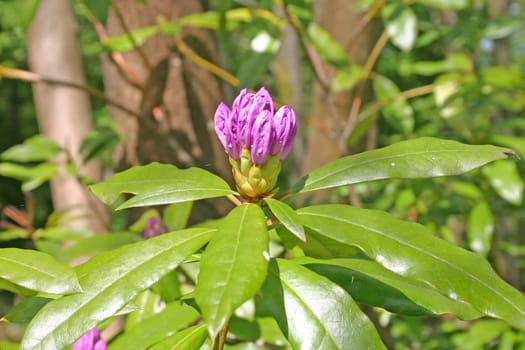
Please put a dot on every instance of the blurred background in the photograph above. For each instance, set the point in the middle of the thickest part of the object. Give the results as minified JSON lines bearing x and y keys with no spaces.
{"x":88,"y":88}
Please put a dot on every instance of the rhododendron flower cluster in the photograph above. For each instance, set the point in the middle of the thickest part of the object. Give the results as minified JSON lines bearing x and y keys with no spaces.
{"x":256,"y":140}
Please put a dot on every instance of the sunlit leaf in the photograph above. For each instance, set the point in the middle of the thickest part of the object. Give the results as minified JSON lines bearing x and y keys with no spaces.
{"x":401,"y":25}
{"x":37,"y":271}
{"x":156,"y":184}
{"x":123,"y":42}
{"x":233,"y":267}
{"x":190,"y":338}
{"x":34,"y":149}
{"x":110,"y":281}
{"x":410,"y":250}
{"x":327,"y":48}
{"x":506,"y":180}
{"x":480,"y":228}
{"x":286,"y":216}
{"x":418,"y":158}
{"x":315,"y":313}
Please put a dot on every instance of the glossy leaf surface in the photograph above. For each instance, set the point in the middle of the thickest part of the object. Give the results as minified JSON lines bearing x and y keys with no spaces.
{"x":506,"y":180}
{"x":410,"y":250}
{"x":480,"y":228}
{"x":110,"y":280}
{"x":419,"y":158}
{"x":287,"y":216}
{"x":372,"y":284}
{"x":156,"y":184}
{"x":37,"y":271}
{"x":188,"y":339}
{"x":234,"y":265}
{"x":156,"y":328}
{"x":315,"y":313}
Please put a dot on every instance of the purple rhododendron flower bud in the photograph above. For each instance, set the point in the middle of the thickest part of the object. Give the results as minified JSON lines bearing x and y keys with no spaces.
{"x":285,"y":129}
{"x":262,"y":137}
{"x":154,"y":227}
{"x":91,"y":340}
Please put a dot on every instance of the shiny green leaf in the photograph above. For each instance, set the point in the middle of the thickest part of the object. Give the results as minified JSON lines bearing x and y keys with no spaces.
{"x":516,"y":143}
{"x":315,"y":313}
{"x":156,"y":184}
{"x":110,"y":281}
{"x":419,"y":158}
{"x":99,"y":243}
{"x":287,"y":216}
{"x":176,"y":215}
{"x":506,"y":180}
{"x":372,"y":284}
{"x":156,"y":328}
{"x":480,"y":228}
{"x":190,"y":338}
{"x":34,"y":149}
{"x":37,"y":271}
{"x":233,"y":267}
{"x":410,"y":250}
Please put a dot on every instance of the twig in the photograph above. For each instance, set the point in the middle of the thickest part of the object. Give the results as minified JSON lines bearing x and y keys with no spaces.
{"x":234,"y":199}
{"x":365,"y":20}
{"x":207,"y":65}
{"x":32,"y":77}
{"x":131,"y":37}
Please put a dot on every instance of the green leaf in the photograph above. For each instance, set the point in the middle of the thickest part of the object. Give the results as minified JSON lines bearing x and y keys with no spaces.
{"x":99,"y":243}
{"x":156,"y":328}
{"x":110,"y":280}
{"x":37,"y":271}
{"x":32,"y":176}
{"x":516,"y":143}
{"x":26,"y":310}
{"x":327,"y":48}
{"x":99,"y":141}
{"x":287,"y":216}
{"x":446,"y":4}
{"x":480,"y":228}
{"x":34,"y":149}
{"x":176,"y":215}
{"x":419,"y":158}
{"x":397,"y":111}
{"x":188,"y":339}
{"x":372,"y":284}
{"x":410,"y":250}
{"x":505,"y":178}
{"x":401,"y":25}
{"x":233,"y":267}
{"x":315,"y":313}
{"x":99,"y":9}
{"x":122,"y":43}
{"x":156,"y":184}
{"x":26,"y":10}
{"x":346,"y":78}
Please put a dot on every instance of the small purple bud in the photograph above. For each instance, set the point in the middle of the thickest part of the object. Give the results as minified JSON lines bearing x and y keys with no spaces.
{"x":227,"y":130}
{"x":285,"y":129}
{"x":91,"y":340}
{"x":262,"y":137}
{"x":154,"y":227}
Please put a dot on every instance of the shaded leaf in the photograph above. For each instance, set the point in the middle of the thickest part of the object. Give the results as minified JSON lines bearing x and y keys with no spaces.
{"x":176,"y":215}
{"x":188,"y":339}
{"x":446,"y":4}
{"x":327,"y":48}
{"x":419,"y":158}
{"x":26,"y":310}
{"x":110,"y":280}
{"x":315,"y":313}
{"x":37,"y":271}
{"x":233,"y":267}
{"x":157,"y":183}
{"x":410,"y":250}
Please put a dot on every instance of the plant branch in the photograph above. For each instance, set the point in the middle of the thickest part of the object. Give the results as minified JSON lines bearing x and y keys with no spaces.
{"x":32,"y":77}
{"x":220,"y":339}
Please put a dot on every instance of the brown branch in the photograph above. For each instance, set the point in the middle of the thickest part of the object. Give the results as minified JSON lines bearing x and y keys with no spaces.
{"x":32,"y":77}
{"x":130,"y":36}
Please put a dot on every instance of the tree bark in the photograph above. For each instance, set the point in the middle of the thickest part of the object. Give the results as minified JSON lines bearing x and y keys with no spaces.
{"x":63,"y":113}
{"x":330,"y":111}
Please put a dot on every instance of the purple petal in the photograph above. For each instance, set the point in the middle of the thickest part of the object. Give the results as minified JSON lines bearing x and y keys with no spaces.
{"x":221,"y":115}
{"x":262,"y":137}
{"x":100,"y":345}
{"x":87,"y":341}
{"x":226,"y":129}
{"x":285,"y":131}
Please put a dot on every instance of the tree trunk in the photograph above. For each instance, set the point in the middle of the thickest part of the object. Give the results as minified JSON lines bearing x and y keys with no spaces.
{"x":330,"y":111}
{"x":63,"y":113}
